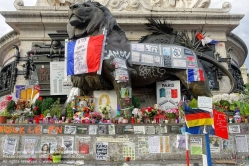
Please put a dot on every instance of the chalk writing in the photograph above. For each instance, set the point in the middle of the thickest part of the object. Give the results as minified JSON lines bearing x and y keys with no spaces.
{"x":151,"y":71}
{"x":119,"y":54}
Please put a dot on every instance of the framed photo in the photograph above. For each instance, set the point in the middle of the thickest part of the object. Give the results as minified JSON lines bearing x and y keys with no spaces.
{"x":10,"y":144}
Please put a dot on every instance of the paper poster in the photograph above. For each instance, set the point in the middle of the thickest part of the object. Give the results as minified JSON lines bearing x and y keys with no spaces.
{"x":126,"y":92}
{"x":196,"y":145}
{"x":119,"y":63}
{"x":135,"y":57}
{"x":137,"y":47}
{"x":57,"y":78}
{"x":121,"y":75}
{"x":176,"y":51}
{"x":67,"y":144}
{"x":111,"y":129}
{"x":53,"y":146}
{"x":179,"y":63}
{"x":29,"y":145}
{"x":70,"y":129}
{"x":168,"y":94}
{"x":227,"y":146}
{"x":191,"y":62}
{"x":151,"y":48}
{"x":102,"y":129}
{"x":143,"y":146}
{"x":9,"y":147}
{"x":129,"y":150}
{"x":150,"y":130}
{"x":214,"y":144}
{"x":84,"y":145}
{"x":234,"y":129}
{"x":101,"y":150}
{"x":181,"y":141}
{"x":166,"y":51}
{"x":205,"y":102}
{"x":139,"y":129}
{"x":93,"y":129}
{"x":45,"y":148}
{"x":164,"y":144}
{"x":241,"y":143}
{"x":154,"y":144}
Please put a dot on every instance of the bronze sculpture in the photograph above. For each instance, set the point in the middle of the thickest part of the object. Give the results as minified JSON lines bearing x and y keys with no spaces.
{"x":89,"y":19}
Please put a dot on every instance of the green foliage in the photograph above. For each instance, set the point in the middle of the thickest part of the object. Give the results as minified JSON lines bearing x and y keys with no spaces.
{"x":37,"y":107}
{"x":224,"y":103}
{"x":69,"y":111}
{"x":56,"y":109}
{"x":193,"y":103}
{"x":136,"y":102}
{"x":5,"y":113}
{"x":11,"y":106}
{"x":46,"y":104}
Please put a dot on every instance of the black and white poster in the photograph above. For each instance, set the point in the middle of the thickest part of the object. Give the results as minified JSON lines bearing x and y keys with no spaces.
{"x":67,"y":144}
{"x":101,"y":150}
{"x":70,"y":129}
{"x":9,"y":146}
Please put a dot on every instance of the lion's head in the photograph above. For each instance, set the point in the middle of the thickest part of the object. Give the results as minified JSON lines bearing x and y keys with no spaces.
{"x":89,"y":18}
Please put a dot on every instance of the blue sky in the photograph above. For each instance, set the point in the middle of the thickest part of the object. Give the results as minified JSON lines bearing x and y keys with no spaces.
{"x":238,"y":7}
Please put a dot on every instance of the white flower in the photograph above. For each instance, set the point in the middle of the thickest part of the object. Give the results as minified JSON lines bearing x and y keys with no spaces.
{"x":217,"y":98}
{"x":225,"y":97}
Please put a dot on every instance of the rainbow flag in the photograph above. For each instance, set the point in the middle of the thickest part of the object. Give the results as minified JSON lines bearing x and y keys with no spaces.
{"x":197,"y":117}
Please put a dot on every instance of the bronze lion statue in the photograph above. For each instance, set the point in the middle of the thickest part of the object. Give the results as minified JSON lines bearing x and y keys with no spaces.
{"x":89,"y":19}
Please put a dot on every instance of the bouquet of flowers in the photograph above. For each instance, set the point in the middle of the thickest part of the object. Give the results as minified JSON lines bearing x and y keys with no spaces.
{"x":105,"y":110}
{"x":172,"y":113}
{"x":151,"y":112}
{"x":21,"y":105}
{"x":95,"y":115}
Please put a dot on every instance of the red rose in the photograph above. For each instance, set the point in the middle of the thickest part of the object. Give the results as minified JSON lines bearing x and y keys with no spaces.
{"x":40,"y":98}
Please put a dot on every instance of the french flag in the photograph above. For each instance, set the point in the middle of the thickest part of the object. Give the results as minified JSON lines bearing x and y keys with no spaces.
{"x":205,"y":40}
{"x":84,"y":55}
{"x":195,"y":74}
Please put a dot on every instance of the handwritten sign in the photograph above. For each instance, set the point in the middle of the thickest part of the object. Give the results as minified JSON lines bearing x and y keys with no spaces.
{"x":101,"y":150}
{"x":58,"y":87}
{"x":220,"y":124}
{"x":196,"y":145}
{"x":204,"y":102}
{"x":241,"y":143}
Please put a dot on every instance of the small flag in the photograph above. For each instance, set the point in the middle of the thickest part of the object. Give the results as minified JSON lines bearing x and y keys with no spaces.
{"x":205,"y":40}
{"x":220,"y":124}
{"x":197,"y":117}
{"x":84,"y":55}
{"x":195,"y":74}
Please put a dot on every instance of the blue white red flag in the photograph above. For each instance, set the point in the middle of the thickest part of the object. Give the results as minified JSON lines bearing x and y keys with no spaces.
{"x":205,"y":40}
{"x":195,"y":74}
{"x":84,"y":55}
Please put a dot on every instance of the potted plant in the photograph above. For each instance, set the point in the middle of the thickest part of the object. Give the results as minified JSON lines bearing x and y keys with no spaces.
{"x":4,"y":116}
{"x":56,"y":156}
{"x":171,"y":114}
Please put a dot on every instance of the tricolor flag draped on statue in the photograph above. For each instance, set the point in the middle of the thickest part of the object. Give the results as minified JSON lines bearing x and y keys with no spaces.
{"x":84,"y":55}
{"x":195,"y":74}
